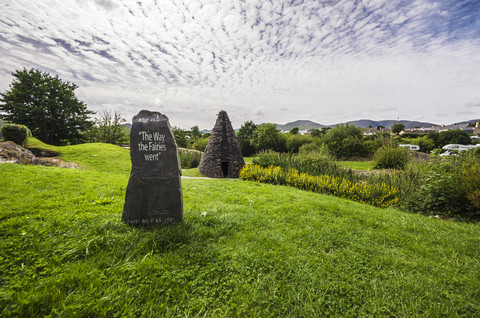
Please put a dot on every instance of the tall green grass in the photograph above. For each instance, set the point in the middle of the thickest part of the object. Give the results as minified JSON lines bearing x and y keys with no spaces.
{"x":244,"y":250}
{"x":313,"y":163}
{"x":189,"y":158}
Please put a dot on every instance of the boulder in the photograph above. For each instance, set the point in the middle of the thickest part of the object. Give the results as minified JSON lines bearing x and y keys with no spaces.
{"x":11,"y":152}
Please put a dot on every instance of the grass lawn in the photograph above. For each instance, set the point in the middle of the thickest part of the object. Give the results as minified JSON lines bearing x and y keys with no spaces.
{"x":357,"y":165}
{"x":244,"y":249}
{"x":193,"y":172}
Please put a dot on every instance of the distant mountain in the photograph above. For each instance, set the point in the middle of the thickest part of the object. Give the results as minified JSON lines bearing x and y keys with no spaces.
{"x":473,"y":121}
{"x":366,"y":123}
{"x":363,"y":123}
{"x":301,"y":124}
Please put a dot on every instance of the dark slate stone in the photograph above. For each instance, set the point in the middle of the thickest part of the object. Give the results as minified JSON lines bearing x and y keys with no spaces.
{"x":154,"y":191}
{"x":222,"y":157}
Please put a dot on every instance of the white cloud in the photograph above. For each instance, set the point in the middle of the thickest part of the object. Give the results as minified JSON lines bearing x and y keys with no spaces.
{"x":250,"y":58}
{"x":473,"y":103}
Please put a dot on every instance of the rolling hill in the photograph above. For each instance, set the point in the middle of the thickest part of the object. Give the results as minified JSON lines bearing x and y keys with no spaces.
{"x":301,"y":124}
{"x":363,"y":123}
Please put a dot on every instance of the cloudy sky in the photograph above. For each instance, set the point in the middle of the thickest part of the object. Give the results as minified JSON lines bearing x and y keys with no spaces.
{"x":267,"y":61}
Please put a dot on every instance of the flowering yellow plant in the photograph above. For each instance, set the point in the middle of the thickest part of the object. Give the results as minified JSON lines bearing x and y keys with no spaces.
{"x":380,"y":195}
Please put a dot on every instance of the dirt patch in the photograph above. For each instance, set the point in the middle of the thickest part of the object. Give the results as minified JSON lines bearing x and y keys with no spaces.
{"x":43,"y":153}
{"x":55,"y":161}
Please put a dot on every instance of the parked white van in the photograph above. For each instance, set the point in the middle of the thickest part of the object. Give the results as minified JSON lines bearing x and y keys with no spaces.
{"x":459,"y":147}
{"x":411,"y":147}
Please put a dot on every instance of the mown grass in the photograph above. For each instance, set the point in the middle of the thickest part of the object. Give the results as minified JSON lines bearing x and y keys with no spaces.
{"x":192,"y":172}
{"x":244,"y":250}
{"x":357,"y":165}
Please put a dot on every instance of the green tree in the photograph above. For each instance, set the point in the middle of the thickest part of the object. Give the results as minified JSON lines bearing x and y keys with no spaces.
{"x":457,"y":136}
{"x":180,"y":137}
{"x":267,"y":136}
{"x":314,"y":132}
{"x":345,"y":141}
{"x":109,"y":128}
{"x":245,"y":137}
{"x":47,"y":105}
{"x":294,"y":142}
{"x":398,"y":128}
{"x":195,"y":134}
{"x":294,"y":131}
{"x":201,"y":144}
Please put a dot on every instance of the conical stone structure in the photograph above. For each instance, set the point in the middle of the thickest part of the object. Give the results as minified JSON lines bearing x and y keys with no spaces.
{"x":222,"y":157}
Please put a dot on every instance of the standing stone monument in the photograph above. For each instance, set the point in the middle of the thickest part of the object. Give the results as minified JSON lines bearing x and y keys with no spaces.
{"x":222,"y":157}
{"x":154,"y":191}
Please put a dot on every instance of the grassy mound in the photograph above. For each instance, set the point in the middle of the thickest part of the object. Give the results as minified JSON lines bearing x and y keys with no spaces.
{"x":244,"y":249}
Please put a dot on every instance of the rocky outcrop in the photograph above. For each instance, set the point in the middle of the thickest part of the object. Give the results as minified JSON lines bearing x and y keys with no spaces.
{"x":11,"y":152}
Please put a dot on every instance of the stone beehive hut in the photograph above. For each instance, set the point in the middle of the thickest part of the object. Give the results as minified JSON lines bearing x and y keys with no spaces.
{"x":222,"y":157}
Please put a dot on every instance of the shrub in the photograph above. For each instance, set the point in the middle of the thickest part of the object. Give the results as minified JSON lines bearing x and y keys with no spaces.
{"x":272,"y":158}
{"x":470,"y":182}
{"x":443,"y":186}
{"x":295,"y":141}
{"x":16,"y":133}
{"x":390,"y":157}
{"x":200,"y":144}
{"x":440,"y":190}
{"x":345,"y":141}
{"x":371,"y":146}
{"x":380,"y":195}
{"x":426,"y":144}
{"x":189,"y":158}
{"x":266,"y":136}
{"x":317,"y":147}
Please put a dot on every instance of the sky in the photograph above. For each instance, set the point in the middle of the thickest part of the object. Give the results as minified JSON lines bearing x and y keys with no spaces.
{"x":266,"y":61}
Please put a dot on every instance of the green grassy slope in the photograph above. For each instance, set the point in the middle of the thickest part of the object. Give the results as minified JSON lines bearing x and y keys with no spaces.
{"x":92,"y":156}
{"x":244,"y":249}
